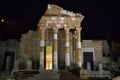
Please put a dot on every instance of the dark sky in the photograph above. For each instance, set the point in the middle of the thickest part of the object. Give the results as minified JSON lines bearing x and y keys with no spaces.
{"x":101,"y":17}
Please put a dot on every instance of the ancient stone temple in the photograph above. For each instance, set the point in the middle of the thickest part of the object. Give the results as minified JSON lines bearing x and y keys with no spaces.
{"x":57,"y":42}
{"x":55,"y":45}
{"x":55,"y":50}
{"x":57,"y":20}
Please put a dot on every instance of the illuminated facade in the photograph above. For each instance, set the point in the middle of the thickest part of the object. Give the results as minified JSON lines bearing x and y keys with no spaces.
{"x":55,"y":45}
{"x":60,"y":30}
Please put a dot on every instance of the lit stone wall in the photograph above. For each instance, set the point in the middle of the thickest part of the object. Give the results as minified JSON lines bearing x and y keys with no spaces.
{"x":97,"y":46}
{"x":106,"y":52}
{"x":61,"y":48}
{"x":106,"y":48}
{"x":30,"y":44}
{"x":8,"y":45}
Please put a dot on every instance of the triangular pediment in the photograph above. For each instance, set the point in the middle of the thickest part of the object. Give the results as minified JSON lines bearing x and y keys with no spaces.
{"x":54,"y":10}
{"x":59,"y":17}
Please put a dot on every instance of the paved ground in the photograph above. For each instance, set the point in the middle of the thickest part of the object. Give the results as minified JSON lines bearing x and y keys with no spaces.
{"x":4,"y":75}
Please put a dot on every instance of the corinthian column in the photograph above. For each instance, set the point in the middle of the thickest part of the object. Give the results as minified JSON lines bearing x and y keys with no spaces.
{"x":55,"y":49}
{"x":79,"y":54}
{"x":75,"y":48}
{"x":67,"y":47}
{"x":42,"y":44}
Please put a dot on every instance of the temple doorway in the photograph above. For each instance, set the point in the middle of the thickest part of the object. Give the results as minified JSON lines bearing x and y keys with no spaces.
{"x":88,"y":57}
{"x":8,"y":62}
{"x":48,"y":58}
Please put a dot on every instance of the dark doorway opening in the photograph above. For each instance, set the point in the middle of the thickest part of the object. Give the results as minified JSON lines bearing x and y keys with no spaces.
{"x":88,"y":57}
{"x":11,"y":55}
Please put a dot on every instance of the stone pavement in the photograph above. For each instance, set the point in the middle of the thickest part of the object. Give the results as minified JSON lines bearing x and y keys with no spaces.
{"x":4,"y":75}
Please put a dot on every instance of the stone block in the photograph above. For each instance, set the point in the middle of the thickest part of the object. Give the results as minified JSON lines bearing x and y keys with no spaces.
{"x":100,"y":67}
{"x":29,"y":65}
{"x":83,"y":74}
{"x":88,"y":66}
{"x":16,"y":65}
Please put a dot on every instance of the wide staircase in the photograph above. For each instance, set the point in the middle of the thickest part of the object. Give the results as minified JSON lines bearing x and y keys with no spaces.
{"x":51,"y":75}
{"x":46,"y":75}
{"x":67,"y":75}
{"x":5,"y":75}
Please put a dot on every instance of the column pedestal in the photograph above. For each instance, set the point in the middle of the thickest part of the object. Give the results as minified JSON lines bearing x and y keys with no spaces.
{"x":29,"y":65}
{"x":16,"y":65}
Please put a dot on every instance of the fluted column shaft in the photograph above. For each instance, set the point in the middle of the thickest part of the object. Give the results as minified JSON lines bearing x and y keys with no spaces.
{"x":55,"y":49}
{"x":79,"y":52}
{"x":75,"y":48}
{"x":42,"y":45}
{"x":67,"y":47}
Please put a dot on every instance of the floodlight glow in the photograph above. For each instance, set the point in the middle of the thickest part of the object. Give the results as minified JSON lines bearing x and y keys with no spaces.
{"x":2,"y":20}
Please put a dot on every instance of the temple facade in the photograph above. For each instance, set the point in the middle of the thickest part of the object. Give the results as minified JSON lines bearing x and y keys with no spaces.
{"x":56,"y":44}
{"x":27,"y":50}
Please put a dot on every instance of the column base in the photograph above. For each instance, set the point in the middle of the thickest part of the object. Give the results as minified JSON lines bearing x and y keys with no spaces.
{"x":67,"y":67}
{"x":28,"y":69}
{"x":41,"y":70}
{"x":55,"y":67}
{"x":55,"y":70}
{"x":76,"y":65}
{"x":15,"y":70}
{"x":46,"y":75}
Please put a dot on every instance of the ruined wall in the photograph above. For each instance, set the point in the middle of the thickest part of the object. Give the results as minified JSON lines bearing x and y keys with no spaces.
{"x":30,"y":44}
{"x":8,"y":46}
{"x":96,"y":45}
{"x":106,"y":52}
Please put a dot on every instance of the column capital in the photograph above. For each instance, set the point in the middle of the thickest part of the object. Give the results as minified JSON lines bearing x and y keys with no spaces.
{"x":42,"y":28}
{"x":78,"y":29}
{"x":66,"y":29}
{"x":78,"y":33}
{"x":55,"y":29}
{"x":74,"y":34}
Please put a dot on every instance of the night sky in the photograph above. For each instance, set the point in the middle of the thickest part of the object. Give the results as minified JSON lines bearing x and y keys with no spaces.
{"x":101,"y":17}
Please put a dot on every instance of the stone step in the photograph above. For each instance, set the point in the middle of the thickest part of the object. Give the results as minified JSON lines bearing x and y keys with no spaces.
{"x":66,"y":75}
{"x":5,"y":75}
{"x":46,"y":75}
